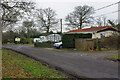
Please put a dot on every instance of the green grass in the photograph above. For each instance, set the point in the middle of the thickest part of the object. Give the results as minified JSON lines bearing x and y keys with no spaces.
{"x":18,"y":44}
{"x":115,"y":57}
{"x":108,"y":49}
{"x":11,"y":43}
{"x":19,"y":66}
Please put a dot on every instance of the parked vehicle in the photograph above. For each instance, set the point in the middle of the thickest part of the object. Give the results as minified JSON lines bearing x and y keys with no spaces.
{"x":58,"y":45}
{"x":37,"y":40}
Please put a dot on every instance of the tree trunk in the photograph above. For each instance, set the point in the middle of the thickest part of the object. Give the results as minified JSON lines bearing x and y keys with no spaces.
{"x":0,"y":33}
{"x":48,"y":29}
{"x":80,"y":25}
{"x":28,"y":33}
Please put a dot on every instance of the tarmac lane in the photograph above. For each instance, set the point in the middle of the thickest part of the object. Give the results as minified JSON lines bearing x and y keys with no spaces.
{"x":80,"y":66}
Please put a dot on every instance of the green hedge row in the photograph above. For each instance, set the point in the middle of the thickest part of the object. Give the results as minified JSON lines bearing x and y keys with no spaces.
{"x":69,"y":39}
{"x":44,"y":44}
{"x":26,"y":41}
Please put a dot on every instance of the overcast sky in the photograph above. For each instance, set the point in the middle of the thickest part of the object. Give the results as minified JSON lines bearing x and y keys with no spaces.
{"x":64,"y":7}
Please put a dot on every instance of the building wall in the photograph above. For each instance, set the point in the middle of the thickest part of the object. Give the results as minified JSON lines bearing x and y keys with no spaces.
{"x":105,"y":33}
{"x":54,"y":37}
{"x":51,"y":37}
{"x":43,"y":38}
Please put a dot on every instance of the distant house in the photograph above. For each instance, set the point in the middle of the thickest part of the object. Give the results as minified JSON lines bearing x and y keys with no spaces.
{"x":54,"y":37}
{"x":17,"y":39}
{"x":51,"y":37}
{"x":43,"y":38}
{"x":37,"y":40}
{"x":98,"y":32}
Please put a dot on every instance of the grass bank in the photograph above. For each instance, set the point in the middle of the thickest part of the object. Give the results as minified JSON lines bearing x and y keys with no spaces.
{"x":114,"y":57}
{"x":19,"y":66}
{"x":18,"y":44}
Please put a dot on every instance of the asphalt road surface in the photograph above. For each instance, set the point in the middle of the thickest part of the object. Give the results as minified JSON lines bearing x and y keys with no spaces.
{"x":80,"y":64}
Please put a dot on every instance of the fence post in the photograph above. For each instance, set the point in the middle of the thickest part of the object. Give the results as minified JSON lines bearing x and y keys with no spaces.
{"x":98,"y":44}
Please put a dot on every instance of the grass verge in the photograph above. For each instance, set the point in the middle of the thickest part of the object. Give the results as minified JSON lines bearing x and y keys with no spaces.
{"x":114,"y":57}
{"x":19,"y":66}
{"x":18,"y":44}
{"x":108,"y":49}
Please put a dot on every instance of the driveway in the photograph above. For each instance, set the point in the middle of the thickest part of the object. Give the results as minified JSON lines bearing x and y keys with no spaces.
{"x":80,"y":64}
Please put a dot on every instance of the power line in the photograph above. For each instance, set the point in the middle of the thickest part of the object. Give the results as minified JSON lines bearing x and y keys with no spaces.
{"x":107,"y":6}
{"x":108,"y":13}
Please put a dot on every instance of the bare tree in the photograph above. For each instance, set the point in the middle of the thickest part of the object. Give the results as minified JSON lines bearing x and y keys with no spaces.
{"x":28,"y":25}
{"x":81,"y":15}
{"x":101,"y":21}
{"x":13,"y":11}
{"x":46,"y":18}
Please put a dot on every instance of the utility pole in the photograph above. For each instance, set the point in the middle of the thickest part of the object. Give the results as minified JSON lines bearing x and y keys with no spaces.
{"x":119,"y":13}
{"x":118,"y":26}
{"x":61,"y":25}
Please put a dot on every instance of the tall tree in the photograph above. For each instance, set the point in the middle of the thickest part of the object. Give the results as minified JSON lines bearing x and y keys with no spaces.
{"x":13,"y":11}
{"x":113,"y":24}
{"x":28,"y":25}
{"x":101,"y":21}
{"x":81,"y":15}
{"x":46,"y":18}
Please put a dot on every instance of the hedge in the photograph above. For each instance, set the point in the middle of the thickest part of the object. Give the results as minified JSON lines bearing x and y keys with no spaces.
{"x":26,"y":41}
{"x":69,"y":39}
{"x":44,"y":44}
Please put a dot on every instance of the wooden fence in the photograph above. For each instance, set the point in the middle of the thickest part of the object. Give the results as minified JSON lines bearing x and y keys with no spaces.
{"x":85,"y":44}
{"x":97,"y":44}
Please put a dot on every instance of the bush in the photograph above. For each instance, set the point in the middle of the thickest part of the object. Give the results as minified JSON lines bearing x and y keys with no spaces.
{"x":69,"y":39}
{"x":9,"y":36}
{"x":4,"y":41}
{"x":26,"y":41}
{"x":17,"y":42}
{"x":44,"y":44}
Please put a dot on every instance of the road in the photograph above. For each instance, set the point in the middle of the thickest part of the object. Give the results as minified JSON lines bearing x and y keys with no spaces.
{"x":80,"y":64}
